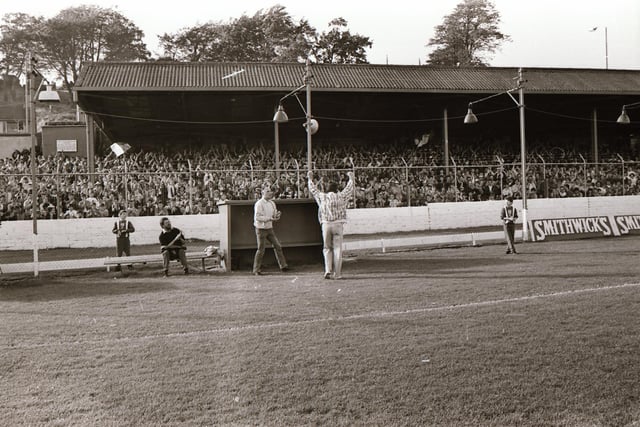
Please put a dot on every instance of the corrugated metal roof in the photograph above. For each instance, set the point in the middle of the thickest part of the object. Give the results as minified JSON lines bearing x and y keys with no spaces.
{"x":180,"y":76}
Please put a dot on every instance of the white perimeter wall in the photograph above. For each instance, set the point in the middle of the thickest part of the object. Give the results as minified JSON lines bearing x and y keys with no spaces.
{"x":96,"y":232}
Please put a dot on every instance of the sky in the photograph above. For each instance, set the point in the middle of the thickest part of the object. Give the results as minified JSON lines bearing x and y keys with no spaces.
{"x":544,"y":33}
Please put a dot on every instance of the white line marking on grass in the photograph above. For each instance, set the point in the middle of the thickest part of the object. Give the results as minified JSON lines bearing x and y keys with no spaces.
{"x":369,"y":315}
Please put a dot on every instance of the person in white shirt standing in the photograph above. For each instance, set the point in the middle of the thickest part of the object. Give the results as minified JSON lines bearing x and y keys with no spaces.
{"x":333,"y":216}
{"x":264,"y":214}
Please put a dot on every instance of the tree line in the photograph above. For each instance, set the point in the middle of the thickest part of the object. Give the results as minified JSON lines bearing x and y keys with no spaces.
{"x":88,"y":33}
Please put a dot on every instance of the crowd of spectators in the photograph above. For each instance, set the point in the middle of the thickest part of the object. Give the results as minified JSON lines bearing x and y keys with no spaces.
{"x":194,"y":180}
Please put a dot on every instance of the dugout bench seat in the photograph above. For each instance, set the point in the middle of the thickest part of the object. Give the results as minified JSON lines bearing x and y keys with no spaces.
{"x":209,"y":262}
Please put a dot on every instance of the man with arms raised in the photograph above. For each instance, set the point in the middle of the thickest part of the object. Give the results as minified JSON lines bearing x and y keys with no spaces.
{"x":333,"y":216}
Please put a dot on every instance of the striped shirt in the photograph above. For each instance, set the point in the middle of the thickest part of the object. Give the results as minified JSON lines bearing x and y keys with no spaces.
{"x":333,"y":206}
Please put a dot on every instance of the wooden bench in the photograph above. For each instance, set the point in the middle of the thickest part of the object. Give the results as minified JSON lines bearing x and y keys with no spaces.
{"x":216,"y":260}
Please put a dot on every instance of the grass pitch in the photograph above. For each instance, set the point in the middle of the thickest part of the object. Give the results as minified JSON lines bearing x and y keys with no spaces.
{"x":446,"y":337}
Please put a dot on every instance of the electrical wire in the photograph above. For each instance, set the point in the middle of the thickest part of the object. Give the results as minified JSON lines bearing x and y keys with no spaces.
{"x":342,"y":119}
{"x":566,"y":116}
{"x":437,"y":119}
{"x":330,"y":118}
{"x":507,"y":92}
{"x":188,"y":122}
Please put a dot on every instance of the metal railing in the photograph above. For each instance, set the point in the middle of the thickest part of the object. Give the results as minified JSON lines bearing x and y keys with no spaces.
{"x":194,"y":190}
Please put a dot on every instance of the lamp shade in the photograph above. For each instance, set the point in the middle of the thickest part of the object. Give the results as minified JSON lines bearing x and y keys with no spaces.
{"x":280,"y":116}
{"x":470,"y":118}
{"x":49,"y":95}
{"x":623,"y":118}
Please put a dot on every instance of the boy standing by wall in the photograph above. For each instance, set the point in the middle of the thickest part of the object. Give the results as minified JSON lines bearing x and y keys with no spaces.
{"x":509,"y":214}
{"x":122,"y":229}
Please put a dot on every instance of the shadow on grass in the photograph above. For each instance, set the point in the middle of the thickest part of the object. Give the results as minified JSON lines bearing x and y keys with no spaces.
{"x":428,"y":265}
{"x":574,"y":252}
{"x":500,"y":266}
{"x":81,"y":286}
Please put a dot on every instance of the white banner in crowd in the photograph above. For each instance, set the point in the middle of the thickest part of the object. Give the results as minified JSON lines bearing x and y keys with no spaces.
{"x":119,"y":148}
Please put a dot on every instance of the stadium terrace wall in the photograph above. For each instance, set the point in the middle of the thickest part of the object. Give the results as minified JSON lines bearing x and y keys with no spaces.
{"x":96,"y":232}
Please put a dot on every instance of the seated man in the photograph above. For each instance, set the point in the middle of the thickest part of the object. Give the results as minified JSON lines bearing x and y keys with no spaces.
{"x":172,"y":243}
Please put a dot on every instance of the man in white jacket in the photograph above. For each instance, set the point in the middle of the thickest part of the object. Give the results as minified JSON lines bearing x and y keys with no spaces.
{"x":264,"y":214}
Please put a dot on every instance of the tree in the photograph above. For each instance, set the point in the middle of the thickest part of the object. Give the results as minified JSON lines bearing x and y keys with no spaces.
{"x":73,"y":36}
{"x":270,"y":35}
{"x":89,"y":33}
{"x":339,"y":46}
{"x":192,"y":44}
{"x":19,"y":36}
{"x":467,"y":35}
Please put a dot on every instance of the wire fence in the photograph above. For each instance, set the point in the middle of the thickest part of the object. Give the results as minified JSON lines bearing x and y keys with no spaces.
{"x":71,"y":195}
{"x":63,"y":195}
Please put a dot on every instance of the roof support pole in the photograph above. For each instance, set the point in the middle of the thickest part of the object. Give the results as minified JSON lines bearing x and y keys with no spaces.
{"x":307,"y":82}
{"x":594,"y":137}
{"x":33,"y":129}
{"x":276,"y":133}
{"x":91,"y":146}
{"x":445,"y":127}
{"x":523,"y":156}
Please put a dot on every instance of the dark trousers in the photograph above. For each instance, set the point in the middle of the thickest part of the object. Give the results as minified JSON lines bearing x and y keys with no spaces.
{"x":171,"y":254}
{"x":123,"y":246}
{"x":262,"y":236}
{"x":509,"y":235}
